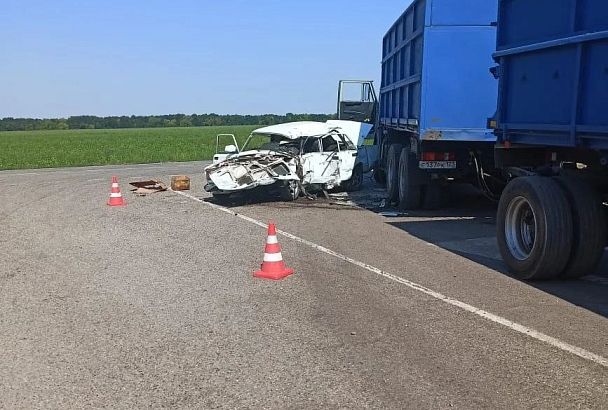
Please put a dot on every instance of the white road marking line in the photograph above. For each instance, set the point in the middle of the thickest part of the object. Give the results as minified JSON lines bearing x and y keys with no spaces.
{"x":554,"y":342}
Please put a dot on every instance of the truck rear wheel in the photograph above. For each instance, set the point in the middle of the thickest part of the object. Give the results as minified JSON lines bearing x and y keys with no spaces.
{"x":410,"y":191}
{"x":392,"y":172}
{"x":534,"y":228}
{"x":589,"y":223}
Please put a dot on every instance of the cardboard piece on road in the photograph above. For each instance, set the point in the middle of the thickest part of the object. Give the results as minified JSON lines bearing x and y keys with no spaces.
{"x":180,"y":183}
{"x":143,"y":188}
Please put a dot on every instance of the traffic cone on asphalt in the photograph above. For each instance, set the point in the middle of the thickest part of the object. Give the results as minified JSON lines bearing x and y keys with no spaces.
{"x":273,"y":267}
{"x":116,"y":198}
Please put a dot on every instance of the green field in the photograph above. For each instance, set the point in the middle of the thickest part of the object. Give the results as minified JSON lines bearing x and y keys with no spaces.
{"x":49,"y":149}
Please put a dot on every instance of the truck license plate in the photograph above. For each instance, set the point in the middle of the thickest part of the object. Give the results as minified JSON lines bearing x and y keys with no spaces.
{"x":437,"y":164}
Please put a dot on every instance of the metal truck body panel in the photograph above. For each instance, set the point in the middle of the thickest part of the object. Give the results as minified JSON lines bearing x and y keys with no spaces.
{"x":435,"y":78}
{"x":553,"y":75}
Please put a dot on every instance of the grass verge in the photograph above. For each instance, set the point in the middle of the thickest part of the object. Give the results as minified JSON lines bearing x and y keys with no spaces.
{"x":70,"y":148}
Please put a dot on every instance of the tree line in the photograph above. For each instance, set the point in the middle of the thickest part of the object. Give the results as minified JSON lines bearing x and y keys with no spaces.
{"x":152,"y":121}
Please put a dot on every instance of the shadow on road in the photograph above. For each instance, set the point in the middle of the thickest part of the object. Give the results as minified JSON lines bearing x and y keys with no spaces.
{"x":468,"y":229}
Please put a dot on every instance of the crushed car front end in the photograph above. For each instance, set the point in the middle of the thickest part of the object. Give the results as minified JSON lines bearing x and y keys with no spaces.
{"x":250,"y":170}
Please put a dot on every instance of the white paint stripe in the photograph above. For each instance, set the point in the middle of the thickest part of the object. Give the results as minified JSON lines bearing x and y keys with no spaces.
{"x":115,"y":185}
{"x":273,"y":257}
{"x":115,"y":195}
{"x":566,"y":347}
{"x":272,"y":239}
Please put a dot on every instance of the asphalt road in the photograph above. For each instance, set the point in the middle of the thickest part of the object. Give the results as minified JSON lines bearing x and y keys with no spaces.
{"x":154,"y":304}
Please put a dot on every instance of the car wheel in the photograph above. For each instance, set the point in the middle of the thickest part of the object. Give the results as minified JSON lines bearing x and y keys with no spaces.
{"x":291,"y":191}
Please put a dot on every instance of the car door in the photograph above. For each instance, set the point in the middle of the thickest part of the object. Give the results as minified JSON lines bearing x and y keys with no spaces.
{"x":231,"y":148}
{"x":321,"y":164}
{"x":347,"y":157}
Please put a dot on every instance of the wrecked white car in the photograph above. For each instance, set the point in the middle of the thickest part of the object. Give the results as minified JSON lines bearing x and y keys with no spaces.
{"x":291,"y":159}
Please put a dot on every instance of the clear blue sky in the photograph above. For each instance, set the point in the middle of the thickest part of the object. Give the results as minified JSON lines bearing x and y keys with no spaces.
{"x":123,"y":57}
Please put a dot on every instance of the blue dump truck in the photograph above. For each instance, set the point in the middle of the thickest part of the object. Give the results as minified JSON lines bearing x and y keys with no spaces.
{"x":513,"y":96}
{"x":435,"y":99}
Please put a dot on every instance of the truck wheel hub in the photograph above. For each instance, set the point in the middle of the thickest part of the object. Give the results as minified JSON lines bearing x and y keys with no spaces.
{"x":520,"y":228}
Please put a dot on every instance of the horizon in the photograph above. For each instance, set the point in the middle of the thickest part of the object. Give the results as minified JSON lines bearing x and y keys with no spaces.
{"x":168,"y":115}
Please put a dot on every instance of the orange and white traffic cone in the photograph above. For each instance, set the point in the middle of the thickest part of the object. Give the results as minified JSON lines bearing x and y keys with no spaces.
{"x":273,"y":267}
{"x":116,"y":198}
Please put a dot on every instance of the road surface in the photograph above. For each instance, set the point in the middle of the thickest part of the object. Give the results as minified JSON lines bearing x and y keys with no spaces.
{"x":154,"y":304}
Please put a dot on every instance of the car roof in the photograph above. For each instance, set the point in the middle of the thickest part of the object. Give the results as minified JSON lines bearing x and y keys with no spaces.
{"x":355,"y":131}
{"x":295,"y":130}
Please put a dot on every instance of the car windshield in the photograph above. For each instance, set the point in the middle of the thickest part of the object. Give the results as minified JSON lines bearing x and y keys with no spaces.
{"x":256,"y":141}
{"x":262,"y":142}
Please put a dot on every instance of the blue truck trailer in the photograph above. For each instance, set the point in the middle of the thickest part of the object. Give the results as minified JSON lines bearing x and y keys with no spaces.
{"x":552,"y":135}
{"x":435,"y":98}
{"x":533,"y":135}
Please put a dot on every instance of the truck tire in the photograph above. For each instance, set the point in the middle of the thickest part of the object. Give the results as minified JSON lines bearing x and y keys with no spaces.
{"x":392,"y":172}
{"x":534,"y":228}
{"x":589,"y":227}
{"x":356,"y":180}
{"x":410,"y":191}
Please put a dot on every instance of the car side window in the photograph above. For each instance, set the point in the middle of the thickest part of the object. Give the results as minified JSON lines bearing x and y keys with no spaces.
{"x":345,"y":143}
{"x":329,"y":144}
{"x":311,"y":145}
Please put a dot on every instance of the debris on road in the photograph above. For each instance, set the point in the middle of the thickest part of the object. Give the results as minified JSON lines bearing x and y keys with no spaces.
{"x":143,"y":188}
{"x":341,"y":198}
{"x":180,"y":183}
